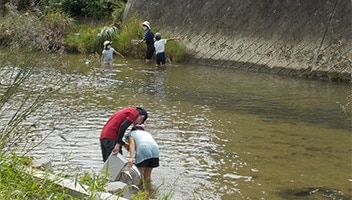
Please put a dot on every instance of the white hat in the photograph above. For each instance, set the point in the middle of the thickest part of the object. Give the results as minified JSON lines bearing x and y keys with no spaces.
{"x":146,"y":23}
{"x":107,"y":42}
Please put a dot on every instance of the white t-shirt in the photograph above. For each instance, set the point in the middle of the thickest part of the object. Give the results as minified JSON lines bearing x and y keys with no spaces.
{"x":160,"y":45}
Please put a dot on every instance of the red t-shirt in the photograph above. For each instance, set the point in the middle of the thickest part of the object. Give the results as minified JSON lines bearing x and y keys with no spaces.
{"x":112,"y":126}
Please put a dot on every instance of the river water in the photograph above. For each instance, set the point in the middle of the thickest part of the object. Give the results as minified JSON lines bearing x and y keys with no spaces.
{"x":223,"y":133}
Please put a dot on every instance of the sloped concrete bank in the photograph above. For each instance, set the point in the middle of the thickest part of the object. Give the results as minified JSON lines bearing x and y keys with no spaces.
{"x":297,"y":37}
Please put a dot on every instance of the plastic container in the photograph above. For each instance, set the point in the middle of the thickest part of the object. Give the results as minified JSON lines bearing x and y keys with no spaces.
{"x":116,"y":169}
{"x":113,"y":166}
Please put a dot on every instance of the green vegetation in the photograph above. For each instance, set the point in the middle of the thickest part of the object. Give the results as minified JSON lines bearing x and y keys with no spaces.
{"x":131,"y":29}
{"x":82,"y":39}
{"x":15,"y":183}
{"x":75,"y":27}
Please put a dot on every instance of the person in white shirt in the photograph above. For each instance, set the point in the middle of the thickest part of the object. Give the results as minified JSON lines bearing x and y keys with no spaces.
{"x":159,"y":45}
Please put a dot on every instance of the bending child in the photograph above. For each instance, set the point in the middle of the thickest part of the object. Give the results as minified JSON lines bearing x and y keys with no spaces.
{"x":144,"y":152}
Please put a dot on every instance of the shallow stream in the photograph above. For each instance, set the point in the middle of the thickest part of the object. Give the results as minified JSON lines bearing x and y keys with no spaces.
{"x":223,"y":134}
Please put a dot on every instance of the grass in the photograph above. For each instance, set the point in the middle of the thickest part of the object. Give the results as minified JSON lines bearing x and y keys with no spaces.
{"x":15,"y":183}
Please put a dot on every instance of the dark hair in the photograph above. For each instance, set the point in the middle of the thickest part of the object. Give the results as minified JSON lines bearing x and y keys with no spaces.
{"x":106,"y":46}
{"x":143,"y":112}
{"x":157,"y":36}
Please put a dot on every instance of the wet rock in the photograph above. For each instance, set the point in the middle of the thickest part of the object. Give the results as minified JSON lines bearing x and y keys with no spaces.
{"x":119,"y":187}
{"x":115,"y":187}
{"x":42,"y":163}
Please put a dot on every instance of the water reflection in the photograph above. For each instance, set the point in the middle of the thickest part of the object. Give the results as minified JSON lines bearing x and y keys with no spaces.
{"x":155,"y":82}
{"x":223,"y":134}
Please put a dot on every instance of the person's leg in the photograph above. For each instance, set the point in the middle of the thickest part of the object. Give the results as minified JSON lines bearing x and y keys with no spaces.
{"x":158,"y":60}
{"x":145,"y":168}
{"x":107,"y":145}
{"x":141,"y":170}
{"x":103,"y":150}
{"x":163,"y":58}
{"x":148,"y":175}
{"x":149,"y":54}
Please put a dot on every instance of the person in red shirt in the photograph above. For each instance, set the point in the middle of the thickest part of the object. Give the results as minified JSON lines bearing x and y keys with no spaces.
{"x":115,"y":128}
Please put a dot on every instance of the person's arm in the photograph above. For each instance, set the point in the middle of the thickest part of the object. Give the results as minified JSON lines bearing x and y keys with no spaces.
{"x":118,"y":53}
{"x":132,"y":147}
{"x":121,"y":132}
{"x":174,"y":38}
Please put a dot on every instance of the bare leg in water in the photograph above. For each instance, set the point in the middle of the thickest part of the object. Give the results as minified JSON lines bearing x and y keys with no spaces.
{"x":147,"y":176}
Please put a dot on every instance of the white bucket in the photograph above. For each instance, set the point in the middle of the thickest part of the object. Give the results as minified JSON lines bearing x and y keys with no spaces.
{"x":116,"y":169}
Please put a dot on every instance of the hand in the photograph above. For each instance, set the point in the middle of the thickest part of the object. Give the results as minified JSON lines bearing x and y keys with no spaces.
{"x":130,"y":162}
{"x":116,"y":149}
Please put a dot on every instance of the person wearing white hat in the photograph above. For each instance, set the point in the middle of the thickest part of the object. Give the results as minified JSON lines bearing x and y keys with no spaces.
{"x":148,"y":38}
{"x":107,"y":54}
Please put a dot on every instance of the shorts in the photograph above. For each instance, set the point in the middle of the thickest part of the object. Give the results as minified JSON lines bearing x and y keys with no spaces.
{"x":149,"y":52}
{"x":160,"y":58}
{"x":150,"y":163}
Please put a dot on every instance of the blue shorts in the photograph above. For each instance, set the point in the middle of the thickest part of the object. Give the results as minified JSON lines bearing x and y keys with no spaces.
{"x":160,"y":58}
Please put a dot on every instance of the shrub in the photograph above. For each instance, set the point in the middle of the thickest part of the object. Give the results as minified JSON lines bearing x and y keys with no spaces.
{"x":82,"y":39}
{"x":131,"y":29}
{"x":176,"y":51}
{"x":96,"y":9}
{"x":34,"y":31}
{"x":106,"y":33}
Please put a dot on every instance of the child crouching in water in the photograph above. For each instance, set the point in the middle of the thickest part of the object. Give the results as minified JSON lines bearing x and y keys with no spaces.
{"x":159,"y":45}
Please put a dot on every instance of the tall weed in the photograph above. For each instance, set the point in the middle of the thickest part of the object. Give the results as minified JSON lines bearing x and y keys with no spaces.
{"x":82,"y":39}
{"x":34,"y":31}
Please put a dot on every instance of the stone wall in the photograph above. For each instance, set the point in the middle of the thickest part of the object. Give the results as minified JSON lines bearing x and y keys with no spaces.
{"x":296,"y":37}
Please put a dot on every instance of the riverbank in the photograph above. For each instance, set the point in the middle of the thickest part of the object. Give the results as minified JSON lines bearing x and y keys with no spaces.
{"x":305,"y":39}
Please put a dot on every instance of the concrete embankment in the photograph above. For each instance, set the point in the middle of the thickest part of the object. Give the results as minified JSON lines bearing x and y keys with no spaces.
{"x":300,"y":38}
